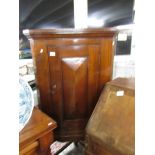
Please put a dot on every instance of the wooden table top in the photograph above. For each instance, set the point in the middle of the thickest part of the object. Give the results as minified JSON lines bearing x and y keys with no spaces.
{"x":38,"y":125}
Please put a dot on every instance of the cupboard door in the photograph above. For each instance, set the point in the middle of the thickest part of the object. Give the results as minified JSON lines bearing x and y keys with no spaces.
{"x":74,"y":77}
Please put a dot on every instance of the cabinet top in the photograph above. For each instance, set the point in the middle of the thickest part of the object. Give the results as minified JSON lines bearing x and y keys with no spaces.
{"x":128,"y":83}
{"x":54,"y":33}
{"x":37,"y":125}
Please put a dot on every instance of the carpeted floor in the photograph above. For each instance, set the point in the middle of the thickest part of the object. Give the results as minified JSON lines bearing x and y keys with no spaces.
{"x":71,"y":149}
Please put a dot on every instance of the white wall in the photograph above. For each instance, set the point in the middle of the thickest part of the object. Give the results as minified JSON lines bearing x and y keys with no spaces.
{"x":124,"y":66}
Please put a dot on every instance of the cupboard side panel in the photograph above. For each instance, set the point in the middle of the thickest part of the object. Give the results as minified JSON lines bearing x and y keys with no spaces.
{"x":55,"y":84}
{"x":41,"y":67}
{"x":106,"y":61}
{"x":93,"y":76}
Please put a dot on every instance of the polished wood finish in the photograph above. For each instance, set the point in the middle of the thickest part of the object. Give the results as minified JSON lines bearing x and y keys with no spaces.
{"x":36,"y":137}
{"x":111,"y":128}
{"x":72,"y":67}
{"x":70,"y":33}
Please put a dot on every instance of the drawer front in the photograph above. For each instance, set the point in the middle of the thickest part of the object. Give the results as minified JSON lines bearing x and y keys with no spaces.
{"x":30,"y":149}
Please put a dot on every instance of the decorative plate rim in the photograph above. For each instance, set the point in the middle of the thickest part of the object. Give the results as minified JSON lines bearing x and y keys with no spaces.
{"x":22,"y":80}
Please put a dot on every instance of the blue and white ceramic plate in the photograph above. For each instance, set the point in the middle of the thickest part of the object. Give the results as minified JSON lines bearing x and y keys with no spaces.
{"x":26,"y":103}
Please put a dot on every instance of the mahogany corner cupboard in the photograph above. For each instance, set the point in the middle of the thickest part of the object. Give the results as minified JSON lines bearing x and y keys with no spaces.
{"x":71,"y":67}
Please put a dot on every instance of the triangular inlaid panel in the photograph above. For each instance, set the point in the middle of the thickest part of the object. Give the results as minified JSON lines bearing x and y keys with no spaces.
{"x":74,"y":80}
{"x":74,"y":63}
